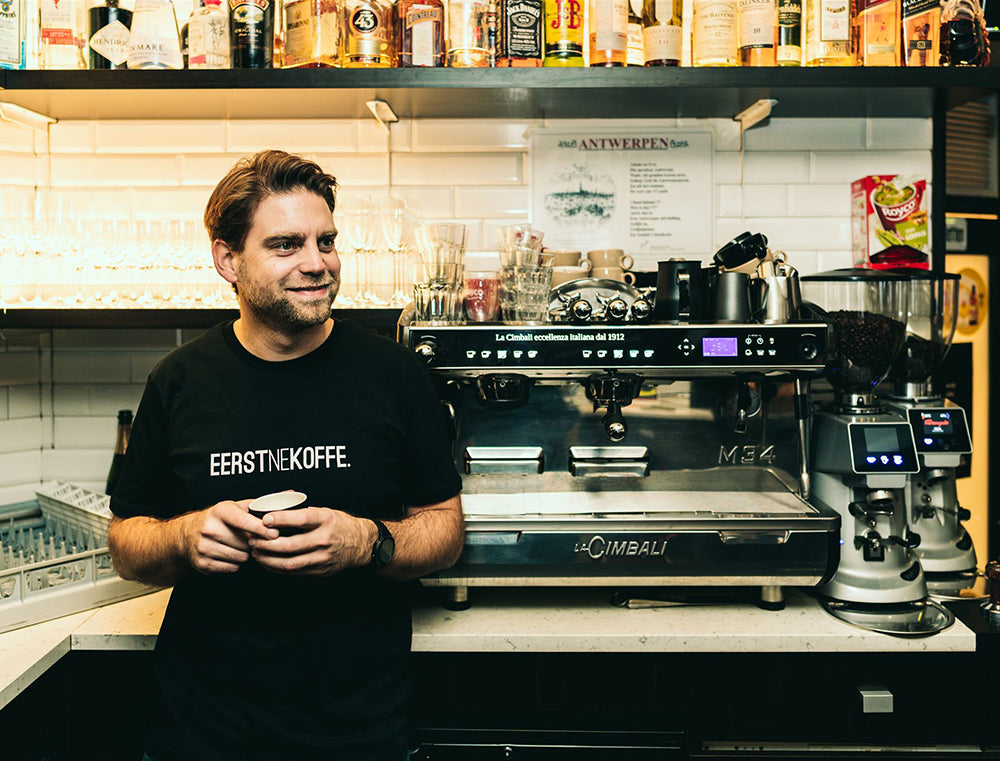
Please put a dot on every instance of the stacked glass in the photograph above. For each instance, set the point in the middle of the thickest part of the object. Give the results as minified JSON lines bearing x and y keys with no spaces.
{"x":437,"y":294}
{"x":525,"y":275}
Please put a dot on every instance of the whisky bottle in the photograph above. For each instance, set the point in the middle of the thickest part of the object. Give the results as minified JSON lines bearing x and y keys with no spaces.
{"x":879,"y":28}
{"x":921,"y":33}
{"x":108,"y":31}
{"x":251,"y":33}
{"x":61,"y":34}
{"x":208,"y":37}
{"x":519,"y":33}
{"x":563,"y":33}
{"x":635,"y":55}
{"x":829,"y":25}
{"x":608,"y":32}
{"x":789,"y":33}
{"x":468,"y":34}
{"x":713,"y":33}
{"x":312,"y":34}
{"x":662,"y":32}
{"x":758,"y":21}
{"x":419,"y":32}
{"x":121,"y":444}
{"x":154,"y":42}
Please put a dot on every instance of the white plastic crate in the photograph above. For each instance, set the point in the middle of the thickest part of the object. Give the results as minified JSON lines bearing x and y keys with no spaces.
{"x":58,"y":582}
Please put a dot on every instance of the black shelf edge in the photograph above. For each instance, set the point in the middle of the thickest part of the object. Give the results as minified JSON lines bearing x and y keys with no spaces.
{"x":379,"y":320}
{"x":499,"y":93}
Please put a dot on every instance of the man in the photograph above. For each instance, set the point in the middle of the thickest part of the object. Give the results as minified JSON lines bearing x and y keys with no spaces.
{"x":287,"y":637}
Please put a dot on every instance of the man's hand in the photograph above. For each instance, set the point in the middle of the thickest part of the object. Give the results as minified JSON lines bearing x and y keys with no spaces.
{"x":217,"y":539}
{"x":327,"y":542}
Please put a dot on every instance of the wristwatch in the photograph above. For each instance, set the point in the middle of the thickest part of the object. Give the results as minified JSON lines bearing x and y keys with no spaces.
{"x":384,"y":547}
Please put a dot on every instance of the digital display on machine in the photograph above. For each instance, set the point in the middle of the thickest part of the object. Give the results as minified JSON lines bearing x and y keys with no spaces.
{"x":882,"y":448}
{"x":719,"y":347}
{"x":940,"y":430}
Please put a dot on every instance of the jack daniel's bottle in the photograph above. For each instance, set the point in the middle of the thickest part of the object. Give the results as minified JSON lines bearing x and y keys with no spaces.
{"x":519,"y":40}
{"x":251,"y":33}
{"x":121,"y":444}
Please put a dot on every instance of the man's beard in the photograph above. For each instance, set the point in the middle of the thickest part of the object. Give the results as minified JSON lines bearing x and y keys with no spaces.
{"x":278,"y":311}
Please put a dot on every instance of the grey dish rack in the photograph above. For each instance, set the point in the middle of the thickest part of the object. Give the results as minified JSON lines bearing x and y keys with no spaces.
{"x":54,"y":558}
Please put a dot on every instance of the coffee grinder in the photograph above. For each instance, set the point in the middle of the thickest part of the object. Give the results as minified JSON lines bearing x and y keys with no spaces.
{"x":861,"y":452}
{"x":940,"y":431}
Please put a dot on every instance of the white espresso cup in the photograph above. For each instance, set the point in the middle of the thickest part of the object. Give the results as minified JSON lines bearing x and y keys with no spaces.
{"x":613,"y":273}
{"x":605,"y":258}
{"x":564,"y":274}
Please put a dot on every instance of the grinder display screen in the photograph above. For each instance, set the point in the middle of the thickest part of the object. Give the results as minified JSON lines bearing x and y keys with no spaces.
{"x":940,"y":430}
{"x":882,"y":448}
{"x":719,"y":347}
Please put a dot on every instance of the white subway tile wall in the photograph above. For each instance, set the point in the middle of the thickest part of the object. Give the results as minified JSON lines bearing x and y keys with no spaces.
{"x":59,"y":400}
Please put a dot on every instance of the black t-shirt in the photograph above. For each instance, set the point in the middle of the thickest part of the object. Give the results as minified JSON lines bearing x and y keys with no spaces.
{"x":258,"y":665}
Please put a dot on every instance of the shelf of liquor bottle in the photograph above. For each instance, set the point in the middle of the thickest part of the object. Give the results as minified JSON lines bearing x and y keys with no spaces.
{"x":381,"y":320}
{"x":660,"y":92}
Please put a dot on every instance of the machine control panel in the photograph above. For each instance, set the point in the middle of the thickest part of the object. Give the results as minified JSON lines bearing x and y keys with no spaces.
{"x":940,"y":429}
{"x":691,"y":349}
{"x":882,"y":448}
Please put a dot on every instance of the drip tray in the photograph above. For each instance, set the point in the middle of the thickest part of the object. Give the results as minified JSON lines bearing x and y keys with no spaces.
{"x":909,"y":619}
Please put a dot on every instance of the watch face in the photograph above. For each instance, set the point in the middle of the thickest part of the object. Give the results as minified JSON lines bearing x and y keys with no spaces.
{"x":385,"y":550}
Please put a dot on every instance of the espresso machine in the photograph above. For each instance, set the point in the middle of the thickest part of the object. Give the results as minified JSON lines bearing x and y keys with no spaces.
{"x":618,"y":450}
{"x":863,"y":456}
{"x":940,"y":431}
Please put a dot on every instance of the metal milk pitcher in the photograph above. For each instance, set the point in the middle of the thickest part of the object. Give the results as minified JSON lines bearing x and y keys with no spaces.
{"x":776,"y":299}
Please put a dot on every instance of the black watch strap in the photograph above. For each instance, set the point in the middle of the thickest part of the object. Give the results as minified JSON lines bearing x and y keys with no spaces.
{"x":384,"y":546}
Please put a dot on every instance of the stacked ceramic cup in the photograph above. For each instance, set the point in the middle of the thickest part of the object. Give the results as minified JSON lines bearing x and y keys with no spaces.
{"x":525,"y":275}
{"x":437,"y":294}
{"x":566,"y":266}
{"x":610,"y":264}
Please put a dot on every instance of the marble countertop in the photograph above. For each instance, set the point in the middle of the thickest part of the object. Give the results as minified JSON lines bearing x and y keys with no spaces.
{"x":510,"y":620}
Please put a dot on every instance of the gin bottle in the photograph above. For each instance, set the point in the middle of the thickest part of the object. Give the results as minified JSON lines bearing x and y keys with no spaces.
{"x":208,"y":37}
{"x":155,"y":40}
{"x":109,"y":31}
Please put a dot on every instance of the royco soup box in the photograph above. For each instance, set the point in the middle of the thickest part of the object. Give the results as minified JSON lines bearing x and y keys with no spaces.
{"x":889,"y":222}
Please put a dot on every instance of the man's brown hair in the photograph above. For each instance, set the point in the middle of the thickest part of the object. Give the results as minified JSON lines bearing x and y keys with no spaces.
{"x":230,"y":210}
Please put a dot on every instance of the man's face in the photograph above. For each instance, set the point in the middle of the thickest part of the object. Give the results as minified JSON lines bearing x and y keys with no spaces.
{"x":289,"y":272}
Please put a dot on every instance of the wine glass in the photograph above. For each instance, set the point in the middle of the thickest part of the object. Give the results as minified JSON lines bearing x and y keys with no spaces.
{"x":356,"y":221}
{"x":397,"y":231}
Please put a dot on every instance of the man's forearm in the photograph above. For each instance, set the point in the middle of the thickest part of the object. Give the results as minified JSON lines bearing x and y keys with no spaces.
{"x":427,"y":540}
{"x":148,"y":550}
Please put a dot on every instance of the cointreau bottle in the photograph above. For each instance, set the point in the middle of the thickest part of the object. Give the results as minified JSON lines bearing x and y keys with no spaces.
{"x":419,"y":32}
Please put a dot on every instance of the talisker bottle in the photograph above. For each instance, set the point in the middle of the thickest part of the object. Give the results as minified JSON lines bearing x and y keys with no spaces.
{"x":519,"y":38}
{"x":251,"y":33}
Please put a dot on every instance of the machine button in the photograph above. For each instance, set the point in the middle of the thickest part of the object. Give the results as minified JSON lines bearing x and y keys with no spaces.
{"x":748,"y":352}
{"x":518,"y":353}
{"x":760,"y":340}
{"x":532,"y":353}
{"x":618,"y":353}
{"x":749,"y":340}
{"x":771,"y":352}
{"x":602,"y":353}
{"x":884,"y":459}
{"x":871,"y":459}
{"x":633,"y":353}
{"x":470,"y":354}
{"x":760,"y":352}
{"x":770,"y":340}
{"x":647,"y":353}
{"x":587,"y":353}
{"x":808,"y":350}
{"x":501,"y":354}
{"x":485,"y":354}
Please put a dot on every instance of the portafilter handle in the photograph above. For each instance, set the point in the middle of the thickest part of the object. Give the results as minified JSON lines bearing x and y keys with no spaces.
{"x":991,"y":608}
